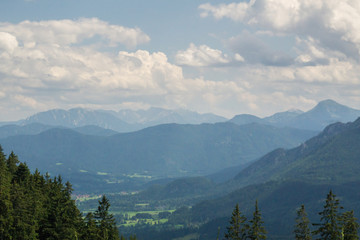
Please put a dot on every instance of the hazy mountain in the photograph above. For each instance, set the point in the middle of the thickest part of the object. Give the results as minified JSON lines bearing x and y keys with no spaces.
{"x":330,"y":156}
{"x":161,"y":151}
{"x":36,"y":128}
{"x":323,"y":114}
{"x":246,"y":119}
{"x":78,"y":117}
{"x":284,"y":179}
{"x":157,"y":116}
{"x":30,"y":129}
{"x":122,"y":121}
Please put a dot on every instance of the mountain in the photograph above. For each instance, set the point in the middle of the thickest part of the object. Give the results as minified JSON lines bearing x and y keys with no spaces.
{"x":323,"y":114}
{"x":36,"y":128}
{"x":245,"y":119}
{"x":122,"y":121}
{"x":30,"y":129}
{"x":79,"y":117}
{"x":330,"y":156}
{"x":157,"y":116}
{"x":284,"y":179}
{"x":169,"y":150}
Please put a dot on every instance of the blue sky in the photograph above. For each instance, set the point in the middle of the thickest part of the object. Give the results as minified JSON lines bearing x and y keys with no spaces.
{"x":225,"y":57}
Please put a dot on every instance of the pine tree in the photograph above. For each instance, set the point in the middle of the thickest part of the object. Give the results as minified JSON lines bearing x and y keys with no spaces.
{"x":302,"y":230}
{"x":106,"y":221}
{"x":6,"y":218}
{"x":238,"y":227}
{"x":330,"y":226}
{"x":350,"y":227}
{"x":257,"y":231}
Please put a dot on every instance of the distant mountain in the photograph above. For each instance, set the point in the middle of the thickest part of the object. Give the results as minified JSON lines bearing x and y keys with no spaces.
{"x":30,"y":129}
{"x":122,"y":121}
{"x":332,"y":156}
{"x":284,"y":179}
{"x":36,"y":128}
{"x":323,"y":114}
{"x":169,"y":150}
{"x":79,"y":117}
{"x":157,"y":116}
{"x":245,"y":119}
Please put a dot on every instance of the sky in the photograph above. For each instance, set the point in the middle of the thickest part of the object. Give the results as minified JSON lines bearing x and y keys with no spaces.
{"x":225,"y":57}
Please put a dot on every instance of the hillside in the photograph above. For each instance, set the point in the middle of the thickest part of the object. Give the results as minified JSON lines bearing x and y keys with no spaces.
{"x":284,"y":179}
{"x":169,"y":150}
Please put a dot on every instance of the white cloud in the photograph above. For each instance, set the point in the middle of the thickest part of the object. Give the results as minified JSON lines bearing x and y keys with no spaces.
{"x":8,"y":42}
{"x":66,"y":32}
{"x":235,"y":11}
{"x":332,"y":23}
{"x":201,"y":56}
{"x":57,"y":71}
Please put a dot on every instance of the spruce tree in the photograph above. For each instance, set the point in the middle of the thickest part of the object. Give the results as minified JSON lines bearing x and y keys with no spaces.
{"x":6,"y":218}
{"x":257,"y":230}
{"x":330,"y":226}
{"x":238,"y":227}
{"x":302,"y":230}
{"x":106,"y":221}
{"x":350,"y":227}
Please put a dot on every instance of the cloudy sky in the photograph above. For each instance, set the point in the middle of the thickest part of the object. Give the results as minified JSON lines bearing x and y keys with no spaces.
{"x":225,"y":57}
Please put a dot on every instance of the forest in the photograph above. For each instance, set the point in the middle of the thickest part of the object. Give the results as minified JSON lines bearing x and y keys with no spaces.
{"x":35,"y":206}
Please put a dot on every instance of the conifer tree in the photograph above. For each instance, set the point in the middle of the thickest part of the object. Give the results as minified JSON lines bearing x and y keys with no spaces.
{"x":330,"y":226}
{"x":350,"y":227}
{"x":257,"y":230}
{"x":106,"y":221}
{"x":302,"y":230}
{"x":238,"y":227}
{"x":5,"y":202}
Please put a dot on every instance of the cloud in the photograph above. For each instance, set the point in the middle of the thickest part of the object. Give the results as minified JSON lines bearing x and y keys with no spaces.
{"x":58,"y":70}
{"x":332,"y":23}
{"x":66,"y":32}
{"x":8,"y":42}
{"x":235,"y":11}
{"x":201,"y":56}
{"x":255,"y":50}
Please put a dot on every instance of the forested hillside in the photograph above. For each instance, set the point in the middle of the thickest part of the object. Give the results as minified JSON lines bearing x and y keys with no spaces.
{"x":33,"y":206}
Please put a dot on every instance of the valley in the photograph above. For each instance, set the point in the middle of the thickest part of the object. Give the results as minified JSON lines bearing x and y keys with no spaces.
{"x":182,"y":180}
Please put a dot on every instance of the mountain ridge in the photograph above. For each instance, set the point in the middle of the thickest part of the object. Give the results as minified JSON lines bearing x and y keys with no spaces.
{"x":324,"y":113}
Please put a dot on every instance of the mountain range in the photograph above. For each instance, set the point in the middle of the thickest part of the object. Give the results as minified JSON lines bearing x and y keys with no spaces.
{"x":282,"y":180}
{"x":168,"y":150}
{"x":121,"y":121}
{"x":324,"y":113}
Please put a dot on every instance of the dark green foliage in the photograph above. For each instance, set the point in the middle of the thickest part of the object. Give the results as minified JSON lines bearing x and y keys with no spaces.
{"x":329,"y":227}
{"x":350,"y":227}
{"x":257,"y":230}
{"x":33,"y":207}
{"x":106,"y":221}
{"x":238,"y":227}
{"x":302,"y":230}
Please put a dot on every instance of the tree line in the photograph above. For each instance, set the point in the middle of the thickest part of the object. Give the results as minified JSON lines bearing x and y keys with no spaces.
{"x":35,"y":206}
{"x":334,"y":224}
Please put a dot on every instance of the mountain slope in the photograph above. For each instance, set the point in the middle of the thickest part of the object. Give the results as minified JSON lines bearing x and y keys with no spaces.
{"x":330,"y":156}
{"x":164,"y":151}
{"x":284,"y":179}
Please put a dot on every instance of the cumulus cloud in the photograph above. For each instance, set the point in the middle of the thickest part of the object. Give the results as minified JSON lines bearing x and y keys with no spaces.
{"x":58,"y":70}
{"x":332,"y":23}
{"x":65,"y":32}
{"x":255,"y":50}
{"x":8,"y":42}
{"x":201,"y":56}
